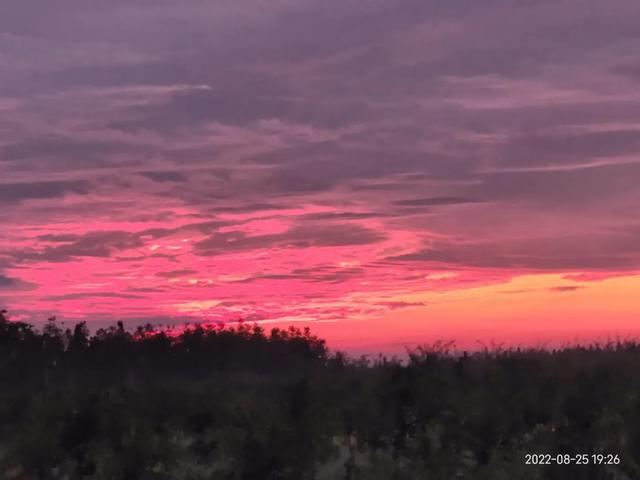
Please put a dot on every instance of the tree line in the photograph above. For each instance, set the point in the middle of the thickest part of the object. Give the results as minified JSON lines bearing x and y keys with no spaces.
{"x":243,"y":403}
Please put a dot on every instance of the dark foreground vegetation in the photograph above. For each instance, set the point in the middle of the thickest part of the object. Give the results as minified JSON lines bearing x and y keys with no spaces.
{"x":241,"y":403}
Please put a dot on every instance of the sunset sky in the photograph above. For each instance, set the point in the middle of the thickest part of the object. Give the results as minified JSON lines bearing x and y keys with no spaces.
{"x":387,"y":172}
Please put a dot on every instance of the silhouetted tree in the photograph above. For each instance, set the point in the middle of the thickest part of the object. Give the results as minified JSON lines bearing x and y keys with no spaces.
{"x":240,"y":403}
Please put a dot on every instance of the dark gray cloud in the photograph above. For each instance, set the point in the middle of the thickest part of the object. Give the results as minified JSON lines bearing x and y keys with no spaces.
{"x":569,"y":252}
{"x":564,"y":189}
{"x":330,"y":274}
{"x":6,"y":281}
{"x":175,"y":273}
{"x":161,"y":177}
{"x":62,"y":148}
{"x":566,"y":149}
{"x":566,"y":288}
{"x":15,"y":284}
{"x":238,"y":99}
{"x":93,"y":244}
{"x":341,"y":216}
{"x":303,"y":236}
{"x":434,"y":201}
{"x":12,"y":193}
{"x":104,"y":244}
{"x":58,"y":237}
{"x":398,"y":305}
{"x":83,"y":295}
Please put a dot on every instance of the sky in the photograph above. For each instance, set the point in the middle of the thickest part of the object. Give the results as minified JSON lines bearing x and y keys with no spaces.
{"x":389,"y":173}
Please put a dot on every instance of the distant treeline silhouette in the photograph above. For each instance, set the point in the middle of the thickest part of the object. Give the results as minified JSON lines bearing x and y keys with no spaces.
{"x":242,"y":403}
{"x":115,"y":351}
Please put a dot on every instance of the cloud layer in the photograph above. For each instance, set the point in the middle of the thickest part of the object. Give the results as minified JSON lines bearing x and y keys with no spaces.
{"x":311,"y":159}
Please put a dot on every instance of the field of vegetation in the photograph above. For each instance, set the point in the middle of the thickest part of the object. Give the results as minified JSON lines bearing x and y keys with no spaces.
{"x":243,"y":404}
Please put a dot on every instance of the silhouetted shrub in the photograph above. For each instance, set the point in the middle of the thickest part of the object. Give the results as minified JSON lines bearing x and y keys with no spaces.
{"x":243,"y":403}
